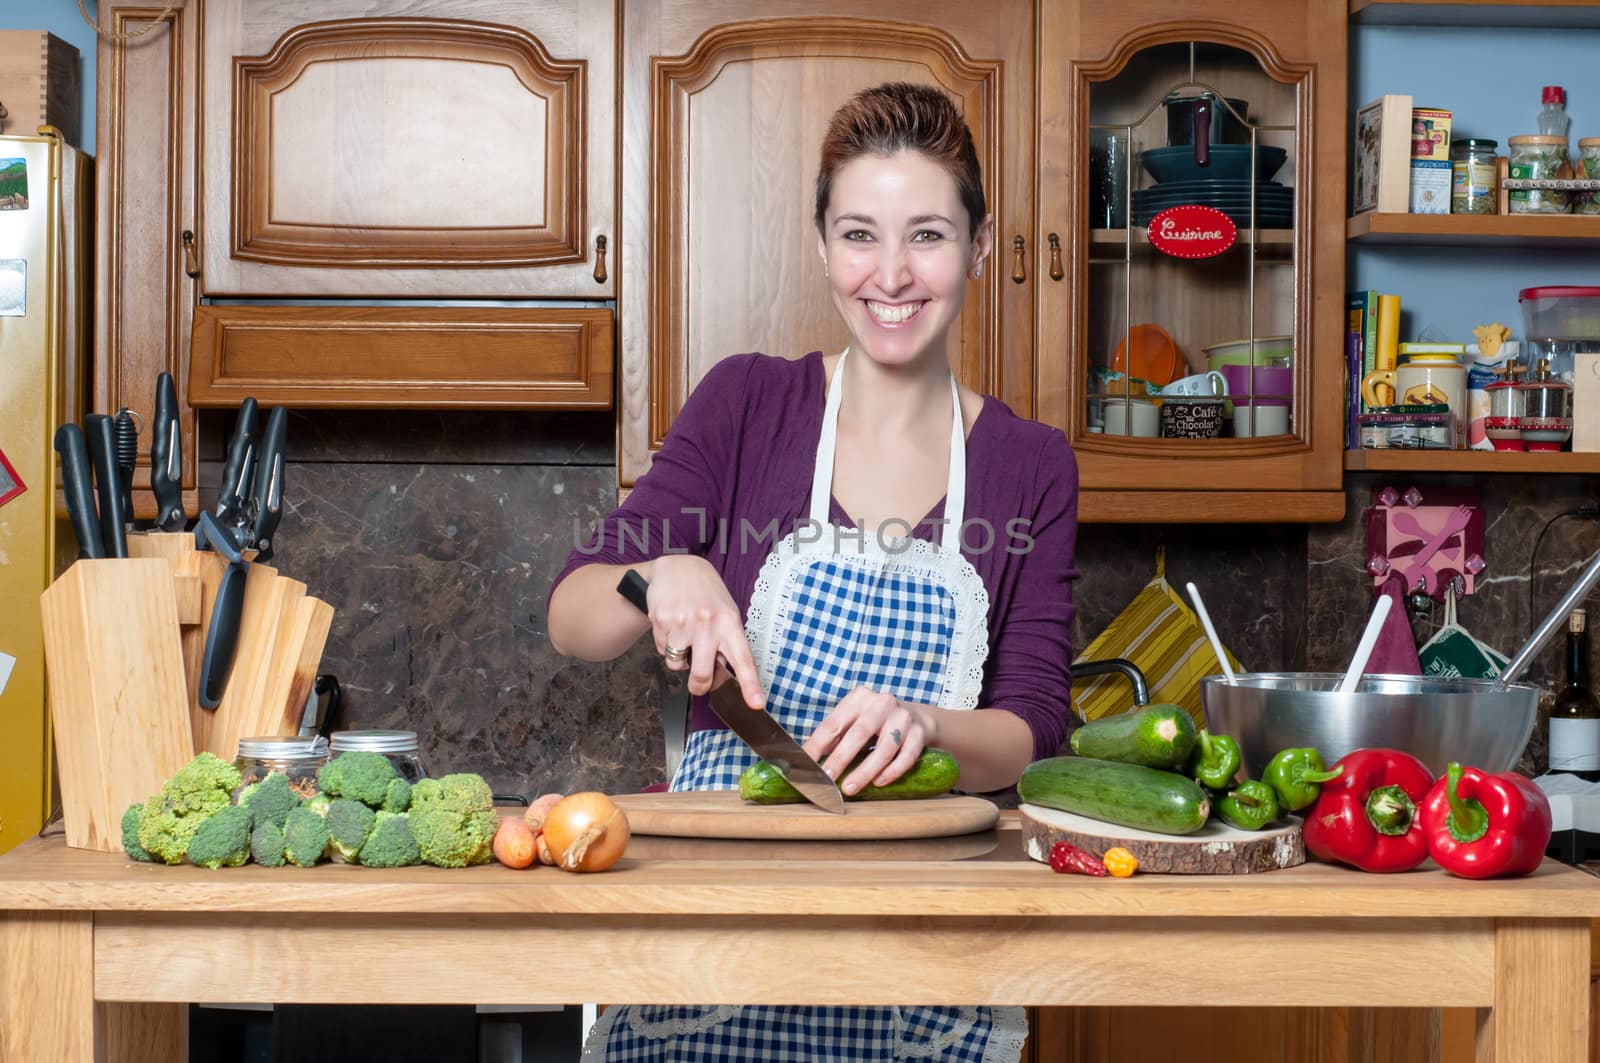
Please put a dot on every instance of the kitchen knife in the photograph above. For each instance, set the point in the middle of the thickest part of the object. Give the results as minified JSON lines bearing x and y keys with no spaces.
{"x":222,"y":637}
{"x":76,"y":482}
{"x":757,"y":728}
{"x":166,"y":458}
{"x":266,"y":497}
{"x":236,"y":469}
{"x":101,"y":433}
{"x":125,"y":434}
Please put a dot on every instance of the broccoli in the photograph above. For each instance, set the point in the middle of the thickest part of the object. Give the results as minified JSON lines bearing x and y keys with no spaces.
{"x":318,"y":804}
{"x":270,"y":799}
{"x":130,"y":834}
{"x":453,"y":820}
{"x":390,"y":844}
{"x":201,"y":787}
{"x":305,"y":837}
{"x":223,"y":840}
{"x":397,"y":797}
{"x":266,"y":844}
{"x":360,"y":776}
{"x":349,"y":823}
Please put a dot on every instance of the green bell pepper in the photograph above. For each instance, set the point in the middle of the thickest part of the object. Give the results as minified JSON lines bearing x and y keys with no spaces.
{"x":1297,"y":775}
{"x":1249,"y":806}
{"x":1214,"y":761}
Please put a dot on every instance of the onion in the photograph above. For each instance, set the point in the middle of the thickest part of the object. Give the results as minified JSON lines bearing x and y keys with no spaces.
{"x":534,"y":816}
{"x":586,"y":832}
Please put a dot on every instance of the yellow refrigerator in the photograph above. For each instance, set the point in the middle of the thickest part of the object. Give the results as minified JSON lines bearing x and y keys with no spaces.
{"x":46,"y":212}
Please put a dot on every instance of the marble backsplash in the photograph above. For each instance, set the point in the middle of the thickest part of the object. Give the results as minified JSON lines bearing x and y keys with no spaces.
{"x":435,"y":537}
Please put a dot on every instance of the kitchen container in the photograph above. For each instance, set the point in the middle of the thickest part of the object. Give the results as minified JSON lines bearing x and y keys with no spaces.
{"x":1428,"y":374}
{"x":1224,"y":162}
{"x":1270,"y":350}
{"x":1503,"y":426}
{"x":1201,"y":121}
{"x":1188,"y":417}
{"x":1546,"y":410}
{"x":296,"y":756}
{"x":1588,"y":170}
{"x":399,"y":746}
{"x":1130,"y":417}
{"x":1436,"y":720}
{"x":1472,"y":176}
{"x":1537,"y":158}
{"x":1567,"y":312}
{"x":1155,"y":355}
{"x":1267,"y":385}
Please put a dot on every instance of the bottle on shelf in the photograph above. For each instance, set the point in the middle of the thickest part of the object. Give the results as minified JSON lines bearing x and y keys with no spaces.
{"x":1575,"y":716}
{"x":1553,"y":118}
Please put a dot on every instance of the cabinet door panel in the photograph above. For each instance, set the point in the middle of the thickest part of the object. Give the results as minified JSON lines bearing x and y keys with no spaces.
{"x":725,"y":112}
{"x":467,"y":153}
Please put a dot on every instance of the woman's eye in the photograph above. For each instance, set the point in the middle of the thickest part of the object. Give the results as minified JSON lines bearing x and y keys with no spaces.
{"x":857,"y":235}
{"x":926,"y":236}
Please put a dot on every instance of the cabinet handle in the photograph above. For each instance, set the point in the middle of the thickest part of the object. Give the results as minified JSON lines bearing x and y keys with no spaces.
{"x":1019,"y":272}
{"x":191,"y":258}
{"x":599,"y":259}
{"x":1055,"y":258}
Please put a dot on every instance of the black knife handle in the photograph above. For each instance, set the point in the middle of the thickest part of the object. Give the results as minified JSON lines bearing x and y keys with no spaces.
{"x":77,"y":483}
{"x":166,"y":457}
{"x":125,"y":432}
{"x":634,"y":588}
{"x":267,"y":495}
{"x":102,"y":452}
{"x":210,"y":532}
{"x":222,"y":638}
{"x":236,"y":468}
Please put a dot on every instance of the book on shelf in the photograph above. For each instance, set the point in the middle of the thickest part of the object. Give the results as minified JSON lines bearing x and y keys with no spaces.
{"x":1430,"y":161}
{"x":1382,"y":178}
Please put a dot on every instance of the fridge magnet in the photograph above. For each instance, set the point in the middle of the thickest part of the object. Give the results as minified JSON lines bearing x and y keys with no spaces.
{"x":11,"y":484}
{"x":13,"y":184}
{"x":13,"y":287}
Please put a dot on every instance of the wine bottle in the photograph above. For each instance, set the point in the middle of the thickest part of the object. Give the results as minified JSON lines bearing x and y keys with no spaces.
{"x":1575,"y":717}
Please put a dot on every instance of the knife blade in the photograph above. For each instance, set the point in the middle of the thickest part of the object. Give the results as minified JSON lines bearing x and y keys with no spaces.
{"x":101,"y":433}
{"x":265,"y":508}
{"x":166,"y":458}
{"x":757,"y":728}
{"x":78,"y":486}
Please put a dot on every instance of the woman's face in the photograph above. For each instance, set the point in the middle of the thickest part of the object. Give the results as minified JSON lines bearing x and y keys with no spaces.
{"x":898,"y":255}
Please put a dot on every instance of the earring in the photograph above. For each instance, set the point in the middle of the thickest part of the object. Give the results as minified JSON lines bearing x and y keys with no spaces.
{"x":977,"y":271}
{"x":825,"y":271}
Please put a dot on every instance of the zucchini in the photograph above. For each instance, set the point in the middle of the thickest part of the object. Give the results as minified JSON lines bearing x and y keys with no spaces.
{"x":935,"y":772}
{"x":1157,"y":736}
{"x":1131,"y":795}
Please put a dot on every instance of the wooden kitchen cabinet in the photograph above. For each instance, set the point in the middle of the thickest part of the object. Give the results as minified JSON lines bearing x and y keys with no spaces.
{"x":724,"y":105}
{"x":1105,"y":66}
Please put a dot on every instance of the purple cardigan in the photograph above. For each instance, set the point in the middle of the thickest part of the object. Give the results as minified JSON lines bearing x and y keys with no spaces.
{"x":741,"y":454}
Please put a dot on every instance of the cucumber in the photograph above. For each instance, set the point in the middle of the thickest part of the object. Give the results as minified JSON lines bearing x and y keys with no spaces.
{"x":1131,"y":795}
{"x":935,"y":772}
{"x":1157,"y":736}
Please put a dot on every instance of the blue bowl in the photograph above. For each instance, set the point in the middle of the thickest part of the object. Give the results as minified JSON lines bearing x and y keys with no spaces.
{"x":1228,"y":162}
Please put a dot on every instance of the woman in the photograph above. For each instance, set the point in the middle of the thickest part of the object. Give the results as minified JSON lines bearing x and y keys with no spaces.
{"x":782,"y":527}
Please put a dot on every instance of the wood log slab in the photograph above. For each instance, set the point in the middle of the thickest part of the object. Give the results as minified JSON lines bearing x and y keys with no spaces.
{"x":1215,"y":849}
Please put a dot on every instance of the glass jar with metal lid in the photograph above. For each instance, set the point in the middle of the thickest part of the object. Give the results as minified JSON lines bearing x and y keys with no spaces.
{"x":1538,"y":158}
{"x":296,"y":756}
{"x":1588,"y":170}
{"x":1472,"y":177}
{"x":399,"y":746}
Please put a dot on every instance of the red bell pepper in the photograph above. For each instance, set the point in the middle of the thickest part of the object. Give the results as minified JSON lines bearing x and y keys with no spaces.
{"x":1481,"y":825}
{"x":1367,"y":814}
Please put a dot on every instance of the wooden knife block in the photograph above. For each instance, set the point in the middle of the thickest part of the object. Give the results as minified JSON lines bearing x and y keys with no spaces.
{"x":124,"y":641}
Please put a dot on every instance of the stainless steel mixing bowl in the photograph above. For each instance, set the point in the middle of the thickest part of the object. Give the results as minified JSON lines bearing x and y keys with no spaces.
{"x":1435,"y":720}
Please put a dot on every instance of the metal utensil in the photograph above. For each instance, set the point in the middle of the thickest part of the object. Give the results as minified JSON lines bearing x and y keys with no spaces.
{"x":1369,"y":642}
{"x":1211,"y":632}
{"x":759,"y":730}
{"x":1551,"y":623}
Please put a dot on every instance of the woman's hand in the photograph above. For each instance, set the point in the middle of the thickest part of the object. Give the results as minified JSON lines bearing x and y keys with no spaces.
{"x":898,"y":731}
{"x":692,"y":613}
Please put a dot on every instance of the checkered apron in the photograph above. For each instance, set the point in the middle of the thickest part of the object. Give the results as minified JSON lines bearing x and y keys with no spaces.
{"x":822,"y":622}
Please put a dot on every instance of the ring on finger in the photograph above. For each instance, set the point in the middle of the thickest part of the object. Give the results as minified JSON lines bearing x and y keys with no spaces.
{"x":674,"y":654}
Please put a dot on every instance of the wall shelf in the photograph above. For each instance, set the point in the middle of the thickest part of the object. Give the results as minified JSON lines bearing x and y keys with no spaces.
{"x":1470,"y":461}
{"x":1564,"y":14}
{"x":1502,"y":230}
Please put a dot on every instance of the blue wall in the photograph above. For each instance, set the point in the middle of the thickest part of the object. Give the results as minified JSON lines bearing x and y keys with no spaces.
{"x":1490,"y":78}
{"x":61,"y":18}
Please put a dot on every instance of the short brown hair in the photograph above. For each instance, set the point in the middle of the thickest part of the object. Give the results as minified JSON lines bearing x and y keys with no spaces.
{"x":900,"y":117}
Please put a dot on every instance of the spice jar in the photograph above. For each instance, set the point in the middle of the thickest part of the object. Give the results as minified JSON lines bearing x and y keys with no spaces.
{"x":1503,"y":426}
{"x":1546,"y":410}
{"x":1588,"y":170}
{"x":1538,"y":158}
{"x":399,"y":746}
{"x":1472,"y":180}
{"x":296,"y":756}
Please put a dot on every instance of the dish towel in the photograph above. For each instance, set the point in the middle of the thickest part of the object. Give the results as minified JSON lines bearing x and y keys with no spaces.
{"x":1396,"y":651}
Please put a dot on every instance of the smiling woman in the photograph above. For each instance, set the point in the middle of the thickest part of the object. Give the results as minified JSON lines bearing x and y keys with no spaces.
{"x":880,"y":556}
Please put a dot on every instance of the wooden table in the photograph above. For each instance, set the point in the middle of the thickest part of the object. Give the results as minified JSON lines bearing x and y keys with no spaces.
{"x":95,"y":947}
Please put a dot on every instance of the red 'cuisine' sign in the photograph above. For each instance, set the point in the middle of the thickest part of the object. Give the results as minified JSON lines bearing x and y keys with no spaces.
{"x":1192,"y":231}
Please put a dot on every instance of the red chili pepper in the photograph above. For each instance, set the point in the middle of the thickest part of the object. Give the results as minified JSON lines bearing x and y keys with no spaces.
{"x":1367,"y":814}
{"x":1480,"y":825}
{"x":1069,"y":859}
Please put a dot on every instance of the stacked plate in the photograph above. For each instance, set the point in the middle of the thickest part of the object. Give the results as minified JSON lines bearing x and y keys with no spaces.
{"x":1274,"y":202}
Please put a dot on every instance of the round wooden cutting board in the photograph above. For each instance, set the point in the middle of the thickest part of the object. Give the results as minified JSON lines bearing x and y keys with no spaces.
{"x":1215,"y":849}
{"x":722,"y":814}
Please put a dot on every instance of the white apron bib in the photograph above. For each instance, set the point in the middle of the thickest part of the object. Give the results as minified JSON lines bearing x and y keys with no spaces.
{"x":902,"y":616}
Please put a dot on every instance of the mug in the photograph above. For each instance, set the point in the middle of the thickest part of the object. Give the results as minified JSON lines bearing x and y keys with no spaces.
{"x":1424,"y":379}
{"x":1251,"y":421}
{"x":1196,"y":418}
{"x":1208,"y":385}
{"x":1130,"y":417}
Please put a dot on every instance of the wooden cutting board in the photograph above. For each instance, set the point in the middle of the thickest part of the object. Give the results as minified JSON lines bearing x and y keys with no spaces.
{"x":721,"y":814}
{"x":958,"y":847}
{"x":1215,"y":849}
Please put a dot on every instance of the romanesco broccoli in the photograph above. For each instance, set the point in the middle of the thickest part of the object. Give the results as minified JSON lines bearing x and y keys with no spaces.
{"x":453,"y":820}
{"x":349,"y":823}
{"x":305,"y":837}
{"x":270,"y":799}
{"x":201,"y":787}
{"x":223,"y":840}
{"x":360,"y":776}
{"x":390,"y":844}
